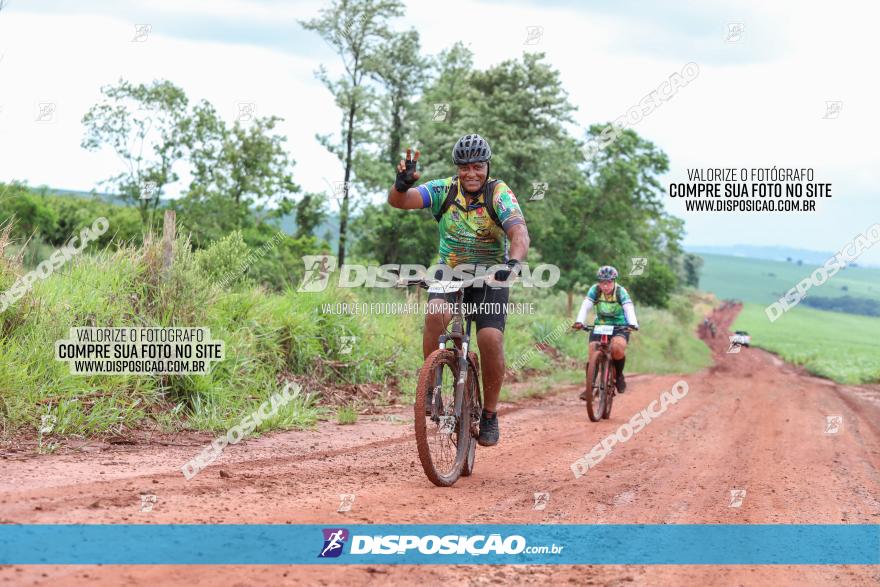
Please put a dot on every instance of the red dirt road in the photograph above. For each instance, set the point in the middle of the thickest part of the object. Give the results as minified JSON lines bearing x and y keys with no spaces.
{"x":751,"y":422}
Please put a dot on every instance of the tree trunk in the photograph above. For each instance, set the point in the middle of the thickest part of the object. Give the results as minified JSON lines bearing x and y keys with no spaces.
{"x":343,"y":213}
{"x":570,"y":298}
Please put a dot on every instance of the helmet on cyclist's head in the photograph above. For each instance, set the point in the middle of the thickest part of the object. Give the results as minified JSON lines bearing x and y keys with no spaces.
{"x":471,"y":149}
{"x":606,"y":273}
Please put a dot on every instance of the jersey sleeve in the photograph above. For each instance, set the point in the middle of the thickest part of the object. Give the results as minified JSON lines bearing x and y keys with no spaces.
{"x":507,"y":208}
{"x":593,"y":293}
{"x":624,"y":296}
{"x":434,"y":193}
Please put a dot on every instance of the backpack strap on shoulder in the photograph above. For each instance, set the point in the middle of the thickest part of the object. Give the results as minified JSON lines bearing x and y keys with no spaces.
{"x":488,"y":198}
{"x":488,"y":192}
{"x":450,"y":197}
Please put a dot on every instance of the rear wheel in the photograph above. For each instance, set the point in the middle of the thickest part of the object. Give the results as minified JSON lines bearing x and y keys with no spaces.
{"x":596,"y":369}
{"x":442,"y":438}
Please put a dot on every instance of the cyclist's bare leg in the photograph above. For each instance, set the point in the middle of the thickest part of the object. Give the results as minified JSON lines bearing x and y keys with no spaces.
{"x":618,"y":347}
{"x":491,"y":343}
{"x":435,"y":324}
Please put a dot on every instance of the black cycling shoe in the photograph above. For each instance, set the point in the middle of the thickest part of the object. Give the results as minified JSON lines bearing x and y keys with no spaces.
{"x":583,"y":395}
{"x":488,"y":430}
{"x":621,"y":383}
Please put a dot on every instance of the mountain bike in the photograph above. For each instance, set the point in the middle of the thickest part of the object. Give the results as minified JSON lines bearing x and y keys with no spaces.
{"x":448,"y":399}
{"x":601,"y":377}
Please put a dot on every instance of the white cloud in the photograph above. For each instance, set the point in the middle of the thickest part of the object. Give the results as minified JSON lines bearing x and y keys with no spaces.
{"x":758,"y":103}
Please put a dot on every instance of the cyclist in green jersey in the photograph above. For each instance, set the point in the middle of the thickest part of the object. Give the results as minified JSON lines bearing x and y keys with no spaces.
{"x":480,"y":223}
{"x":615,"y":307}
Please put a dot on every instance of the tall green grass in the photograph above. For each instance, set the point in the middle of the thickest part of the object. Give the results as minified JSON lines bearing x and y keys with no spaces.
{"x":269,"y":338}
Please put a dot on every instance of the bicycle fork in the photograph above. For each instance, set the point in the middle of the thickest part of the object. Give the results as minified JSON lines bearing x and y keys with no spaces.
{"x":464,"y":339}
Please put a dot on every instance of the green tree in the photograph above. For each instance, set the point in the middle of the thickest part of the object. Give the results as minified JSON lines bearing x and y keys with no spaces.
{"x":142,"y":124}
{"x":246,"y":162}
{"x":355,"y":30}
{"x":654,"y":287}
{"x":310,"y":213}
{"x":692,"y":264}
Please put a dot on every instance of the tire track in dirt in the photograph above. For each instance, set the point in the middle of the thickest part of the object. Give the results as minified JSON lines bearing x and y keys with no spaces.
{"x":749,"y":422}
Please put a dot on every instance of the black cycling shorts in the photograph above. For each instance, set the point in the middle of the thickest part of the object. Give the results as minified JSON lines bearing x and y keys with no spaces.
{"x":618,"y":331}
{"x":494,"y":300}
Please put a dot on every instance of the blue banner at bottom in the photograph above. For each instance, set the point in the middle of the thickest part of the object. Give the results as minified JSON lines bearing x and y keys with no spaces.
{"x":668,"y":544}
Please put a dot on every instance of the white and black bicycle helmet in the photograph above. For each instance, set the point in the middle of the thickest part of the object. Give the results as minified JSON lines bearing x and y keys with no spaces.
{"x":471,"y":149}
{"x":606,"y":273}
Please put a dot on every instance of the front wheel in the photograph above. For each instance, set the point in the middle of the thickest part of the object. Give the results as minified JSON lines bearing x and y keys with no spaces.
{"x":444,"y":437}
{"x":610,"y":389}
{"x":473,"y":398}
{"x":596,"y":377}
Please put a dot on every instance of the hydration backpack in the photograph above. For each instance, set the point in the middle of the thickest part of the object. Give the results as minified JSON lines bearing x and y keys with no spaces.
{"x":488,"y":203}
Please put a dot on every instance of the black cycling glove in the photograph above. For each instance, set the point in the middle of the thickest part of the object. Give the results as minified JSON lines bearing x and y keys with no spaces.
{"x":513,"y":267}
{"x":405,"y":179}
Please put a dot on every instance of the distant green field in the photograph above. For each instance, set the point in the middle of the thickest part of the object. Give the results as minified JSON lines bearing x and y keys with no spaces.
{"x":842,"y":347}
{"x":762,"y":281}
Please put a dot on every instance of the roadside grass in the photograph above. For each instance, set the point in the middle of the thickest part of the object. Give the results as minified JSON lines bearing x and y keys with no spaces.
{"x":346,"y":414}
{"x":269,"y":338}
{"x":841,"y":347}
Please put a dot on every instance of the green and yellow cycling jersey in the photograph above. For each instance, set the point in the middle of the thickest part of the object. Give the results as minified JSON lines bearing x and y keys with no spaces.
{"x":467,"y":232}
{"x":609,"y":309}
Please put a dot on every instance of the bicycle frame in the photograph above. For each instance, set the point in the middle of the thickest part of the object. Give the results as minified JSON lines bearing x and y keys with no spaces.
{"x":460,"y":334}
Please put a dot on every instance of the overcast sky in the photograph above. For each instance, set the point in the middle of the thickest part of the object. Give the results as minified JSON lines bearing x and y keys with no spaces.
{"x":759,"y":99}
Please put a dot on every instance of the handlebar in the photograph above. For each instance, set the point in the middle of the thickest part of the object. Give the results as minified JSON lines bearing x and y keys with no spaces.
{"x":426,"y":283}
{"x":589,"y":327}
